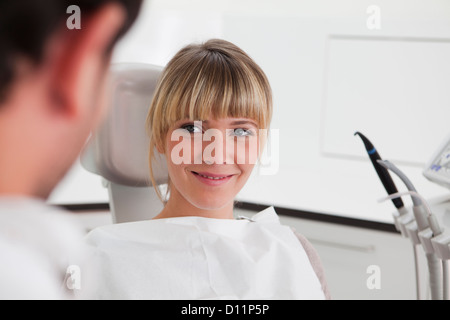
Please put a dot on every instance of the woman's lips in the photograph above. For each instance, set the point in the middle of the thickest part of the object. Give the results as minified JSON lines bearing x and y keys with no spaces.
{"x":212,"y":179}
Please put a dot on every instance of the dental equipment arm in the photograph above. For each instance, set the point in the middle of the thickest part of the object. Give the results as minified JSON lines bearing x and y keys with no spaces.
{"x":423,"y":221}
{"x":403,"y":217}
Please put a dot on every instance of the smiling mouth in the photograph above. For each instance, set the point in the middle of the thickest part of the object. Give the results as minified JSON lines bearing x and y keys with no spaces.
{"x":212,"y":177}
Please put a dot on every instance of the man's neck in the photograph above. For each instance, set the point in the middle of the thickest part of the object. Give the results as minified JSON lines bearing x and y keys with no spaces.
{"x":22,"y":161}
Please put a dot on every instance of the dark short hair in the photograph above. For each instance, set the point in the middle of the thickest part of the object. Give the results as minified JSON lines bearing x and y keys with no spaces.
{"x":26,"y":25}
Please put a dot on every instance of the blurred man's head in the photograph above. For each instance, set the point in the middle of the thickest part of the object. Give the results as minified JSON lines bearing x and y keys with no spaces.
{"x":52,"y":85}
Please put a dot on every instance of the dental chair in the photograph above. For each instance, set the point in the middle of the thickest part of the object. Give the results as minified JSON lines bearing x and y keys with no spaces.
{"x":118,"y":150}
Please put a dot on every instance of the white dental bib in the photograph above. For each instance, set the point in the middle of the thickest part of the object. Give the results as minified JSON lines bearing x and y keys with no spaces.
{"x":203,"y":258}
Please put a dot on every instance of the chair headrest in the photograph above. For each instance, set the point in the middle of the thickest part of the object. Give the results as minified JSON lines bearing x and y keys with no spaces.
{"x":118,"y":150}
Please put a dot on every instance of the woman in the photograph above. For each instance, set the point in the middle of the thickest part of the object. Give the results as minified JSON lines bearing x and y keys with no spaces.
{"x":208,"y":117}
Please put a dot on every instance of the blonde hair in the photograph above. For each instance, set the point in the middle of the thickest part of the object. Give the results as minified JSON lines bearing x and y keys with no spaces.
{"x":215,"y":79}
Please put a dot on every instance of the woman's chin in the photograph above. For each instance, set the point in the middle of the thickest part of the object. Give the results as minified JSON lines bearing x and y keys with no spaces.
{"x":210,"y":204}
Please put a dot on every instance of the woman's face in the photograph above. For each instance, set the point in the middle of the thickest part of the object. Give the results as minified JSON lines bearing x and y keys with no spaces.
{"x":210,"y":161}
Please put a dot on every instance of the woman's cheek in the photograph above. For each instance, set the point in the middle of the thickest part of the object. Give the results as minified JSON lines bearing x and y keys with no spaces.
{"x":183,"y":148}
{"x":246,"y":150}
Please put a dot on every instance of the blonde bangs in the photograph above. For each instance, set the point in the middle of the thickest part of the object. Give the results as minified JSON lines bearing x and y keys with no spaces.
{"x":200,"y":82}
{"x":220,"y":90}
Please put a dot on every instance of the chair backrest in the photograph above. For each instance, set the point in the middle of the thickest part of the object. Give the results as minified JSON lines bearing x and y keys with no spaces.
{"x":118,"y":150}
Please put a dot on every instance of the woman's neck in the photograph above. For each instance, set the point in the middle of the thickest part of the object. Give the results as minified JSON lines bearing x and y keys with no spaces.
{"x":178,"y":206}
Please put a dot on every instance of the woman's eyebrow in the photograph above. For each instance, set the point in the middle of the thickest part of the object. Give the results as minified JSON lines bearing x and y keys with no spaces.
{"x":239,"y":122}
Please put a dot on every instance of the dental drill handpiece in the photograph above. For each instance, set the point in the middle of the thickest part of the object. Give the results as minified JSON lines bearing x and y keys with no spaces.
{"x":383,"y":173}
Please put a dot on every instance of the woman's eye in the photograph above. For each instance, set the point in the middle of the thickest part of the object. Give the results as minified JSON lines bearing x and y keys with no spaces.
{"x":240,"y":132}
{"x":191,"y":128}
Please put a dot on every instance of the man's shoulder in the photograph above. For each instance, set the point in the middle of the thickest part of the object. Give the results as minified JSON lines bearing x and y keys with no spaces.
{"x":37,"y":242}
{"x":25,"y":274}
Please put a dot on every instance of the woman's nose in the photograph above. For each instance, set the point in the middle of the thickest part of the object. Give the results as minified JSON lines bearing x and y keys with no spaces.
{"x":215,"y":147}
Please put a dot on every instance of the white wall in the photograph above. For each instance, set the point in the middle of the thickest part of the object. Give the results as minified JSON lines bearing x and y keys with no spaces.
{"x":329,"y":73}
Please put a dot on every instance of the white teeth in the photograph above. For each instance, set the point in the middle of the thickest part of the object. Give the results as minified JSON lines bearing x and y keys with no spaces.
{"x":212,"y":178}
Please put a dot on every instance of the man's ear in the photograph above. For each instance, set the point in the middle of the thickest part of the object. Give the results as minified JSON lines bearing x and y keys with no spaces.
{"x":80,"y":58}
